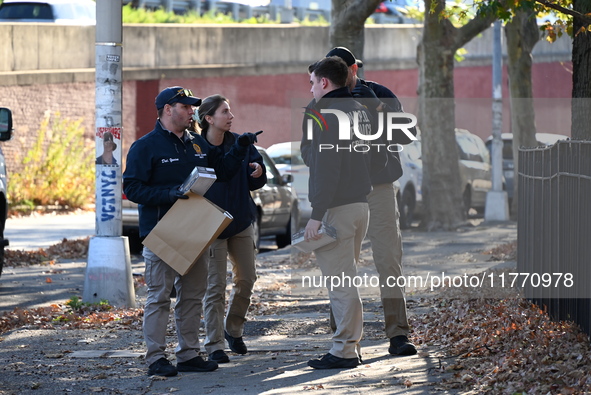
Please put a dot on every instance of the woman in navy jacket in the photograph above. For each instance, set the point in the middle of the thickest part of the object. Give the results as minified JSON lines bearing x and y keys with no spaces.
{"x":236,"y":242}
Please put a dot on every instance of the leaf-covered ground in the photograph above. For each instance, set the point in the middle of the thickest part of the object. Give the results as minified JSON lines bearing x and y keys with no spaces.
{"x":505,"y":346}
{"x":66,"y":249}
{"x":500,"y":345}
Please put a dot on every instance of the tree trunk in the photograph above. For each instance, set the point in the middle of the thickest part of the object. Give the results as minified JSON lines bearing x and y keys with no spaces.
{"x":581,"y":101}
{"x":348,"y":24}
{"x":522,"y":35}
{"x":442,"y":194}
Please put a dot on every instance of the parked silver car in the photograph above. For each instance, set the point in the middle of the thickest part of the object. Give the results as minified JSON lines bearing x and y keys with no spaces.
{"x":410,"y":192}
{"x":276,"y":203}
{"x":475,"y":170}
{"x":475,"y":176}
{"x":288,"y":158}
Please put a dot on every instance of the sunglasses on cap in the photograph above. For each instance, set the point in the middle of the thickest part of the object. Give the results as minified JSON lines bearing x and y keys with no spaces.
{"x":182,"y":93}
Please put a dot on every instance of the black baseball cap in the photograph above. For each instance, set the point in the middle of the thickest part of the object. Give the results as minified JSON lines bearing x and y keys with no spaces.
{"x":346,"y":55}
{"x":176,"y":94}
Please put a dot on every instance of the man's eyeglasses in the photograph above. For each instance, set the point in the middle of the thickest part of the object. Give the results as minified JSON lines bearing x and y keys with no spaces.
{"x":181,"y":93}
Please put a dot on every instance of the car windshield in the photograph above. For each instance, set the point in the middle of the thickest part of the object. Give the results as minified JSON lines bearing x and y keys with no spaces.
{"x":508,"y":150}
{"x":286,"y":155}
{"x":26,"y":11}
{"x":468,"y":149}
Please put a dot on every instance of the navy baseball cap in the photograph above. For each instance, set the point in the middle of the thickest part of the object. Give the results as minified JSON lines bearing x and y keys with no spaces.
{"x":346,"y":55}
{"x":176,"y":94}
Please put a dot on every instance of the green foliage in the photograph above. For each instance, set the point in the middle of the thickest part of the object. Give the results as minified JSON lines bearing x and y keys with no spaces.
{"x":561,"y":10}
{"x":458,"y":13}
{"x":75,"y":303}
{"x":81,"y":311}
{"x":319,"y":21}
{"x":460,"y":54}
{"x":415,"y":13}
{"x":58,"y":169}
{"x":142,"y":15}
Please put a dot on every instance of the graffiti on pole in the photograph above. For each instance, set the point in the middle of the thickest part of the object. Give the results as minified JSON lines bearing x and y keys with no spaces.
{"x":108,"y":183}
{"x":108,"y":137}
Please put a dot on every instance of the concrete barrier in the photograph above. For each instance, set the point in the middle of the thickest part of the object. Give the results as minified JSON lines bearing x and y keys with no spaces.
{"x":31,"y":53}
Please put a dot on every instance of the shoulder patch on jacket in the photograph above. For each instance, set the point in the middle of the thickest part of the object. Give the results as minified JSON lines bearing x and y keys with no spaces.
{"x":197,"y":149}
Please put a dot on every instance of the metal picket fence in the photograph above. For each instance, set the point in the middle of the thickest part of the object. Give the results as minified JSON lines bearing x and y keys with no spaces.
{"x":554,"y":229}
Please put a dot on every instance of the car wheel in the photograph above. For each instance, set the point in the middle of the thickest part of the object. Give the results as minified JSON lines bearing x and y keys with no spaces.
{"x":467,"y":199}
{"x":1,"y":258}
{"x":134,"y":240}
{"x":407,"y":208}
{"x":256,"y":225}
{"x":3,"y":244}
{"x":285,"y":239}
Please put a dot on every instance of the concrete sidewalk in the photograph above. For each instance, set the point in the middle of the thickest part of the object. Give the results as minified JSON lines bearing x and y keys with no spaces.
{"x":278,"y":365}
{"x":280,"y":340}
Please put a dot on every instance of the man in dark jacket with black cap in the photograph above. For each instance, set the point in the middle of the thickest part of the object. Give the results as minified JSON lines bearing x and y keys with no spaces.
{"x":340,"y":166}
{"x":157,"y":164}
{"x":384,"y":228}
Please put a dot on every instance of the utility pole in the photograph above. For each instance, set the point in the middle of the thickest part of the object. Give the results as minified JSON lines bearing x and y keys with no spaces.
{"x":497,"y":206}
{"x":108,"y":271}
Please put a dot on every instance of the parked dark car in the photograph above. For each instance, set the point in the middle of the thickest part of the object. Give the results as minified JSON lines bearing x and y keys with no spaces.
{"x":276,"y":203}
{"x":5,"y":135}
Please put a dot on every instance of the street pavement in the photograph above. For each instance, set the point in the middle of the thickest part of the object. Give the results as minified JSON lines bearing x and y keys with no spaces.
{"x":277,"y":363}
{"x":42,"y":231}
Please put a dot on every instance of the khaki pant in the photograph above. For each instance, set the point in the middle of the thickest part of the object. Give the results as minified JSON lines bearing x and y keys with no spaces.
{"x":386,"y":244}
{"x":190,"y":288}
{"x":339,"y":259}
{"x":240,"y":249}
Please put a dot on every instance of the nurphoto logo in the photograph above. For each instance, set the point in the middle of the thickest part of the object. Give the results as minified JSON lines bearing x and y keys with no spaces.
{"x":355,"y":127}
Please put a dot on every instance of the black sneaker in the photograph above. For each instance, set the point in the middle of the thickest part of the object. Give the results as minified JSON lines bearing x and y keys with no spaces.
{"x":197,"y":364}
{"x":399,"y":345}
{"x":162,"y":367}
{"x":219,"y":356}
{"x":329,"y":361}
{"x":236,"y":344}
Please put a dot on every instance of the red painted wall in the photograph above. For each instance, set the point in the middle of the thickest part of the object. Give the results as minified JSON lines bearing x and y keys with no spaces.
{"x":274,"y":103}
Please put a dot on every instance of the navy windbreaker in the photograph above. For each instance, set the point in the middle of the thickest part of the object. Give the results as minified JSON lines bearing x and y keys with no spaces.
{"x":160,"y":161}
{"x":233,"y":195}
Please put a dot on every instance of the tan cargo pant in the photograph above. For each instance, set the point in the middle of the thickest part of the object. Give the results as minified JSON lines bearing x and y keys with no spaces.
{"x":240,"y":249}
{"x":339,"y":259}
{"x":386,"y":244}
{"x":190,"y":288}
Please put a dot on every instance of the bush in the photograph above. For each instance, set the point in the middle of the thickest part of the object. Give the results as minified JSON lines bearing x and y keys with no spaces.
{"x":142,"y":15}
{"x":58,"y":170}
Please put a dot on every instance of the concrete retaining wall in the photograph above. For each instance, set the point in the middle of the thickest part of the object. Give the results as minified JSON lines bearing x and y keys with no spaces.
{"x":39,"y":50}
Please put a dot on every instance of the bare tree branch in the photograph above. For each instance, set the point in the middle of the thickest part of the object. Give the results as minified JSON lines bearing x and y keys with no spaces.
{"x":564,"y":10}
